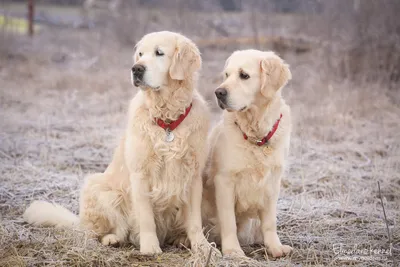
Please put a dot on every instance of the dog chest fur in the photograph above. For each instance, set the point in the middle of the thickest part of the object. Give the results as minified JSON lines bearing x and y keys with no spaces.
{"x":252,"y":174}
{"x":253,"y":183}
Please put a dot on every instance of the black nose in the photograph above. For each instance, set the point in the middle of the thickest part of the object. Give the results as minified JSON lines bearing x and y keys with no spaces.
{"x":138,"y":70}
{"x":221,"y":93}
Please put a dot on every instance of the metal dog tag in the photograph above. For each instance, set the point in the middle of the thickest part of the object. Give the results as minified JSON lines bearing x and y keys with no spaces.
{"x":169,"y":136}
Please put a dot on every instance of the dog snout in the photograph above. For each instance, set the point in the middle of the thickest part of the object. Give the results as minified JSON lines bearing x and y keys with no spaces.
{"x":221,"y":94}
{"x":138,"y":71}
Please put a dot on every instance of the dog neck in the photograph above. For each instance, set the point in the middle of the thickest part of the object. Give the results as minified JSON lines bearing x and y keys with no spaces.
{"x":258,"y":119}
{"x":169,"y":102}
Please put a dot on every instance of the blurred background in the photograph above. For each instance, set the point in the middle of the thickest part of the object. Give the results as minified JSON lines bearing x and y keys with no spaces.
{"x":65,"y":89}
{"x":356,"y":40}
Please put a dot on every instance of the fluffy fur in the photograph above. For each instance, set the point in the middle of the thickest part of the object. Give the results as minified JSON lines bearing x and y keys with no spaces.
{"x":150,"y":194}
{"x":242,"y":180}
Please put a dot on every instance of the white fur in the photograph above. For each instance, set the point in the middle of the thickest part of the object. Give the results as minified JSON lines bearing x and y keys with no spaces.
{"x":47,"y":214}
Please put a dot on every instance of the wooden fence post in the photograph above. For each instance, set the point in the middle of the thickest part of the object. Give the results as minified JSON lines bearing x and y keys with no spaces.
{"x":31,"y":10}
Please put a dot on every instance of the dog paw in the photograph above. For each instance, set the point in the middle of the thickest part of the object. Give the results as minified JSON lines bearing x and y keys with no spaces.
{"x":233,"y":252}
{"x":149,"y":245}
{"x":110,"y":240}
{"x":149,"y":249}
{"x":279,"y":251}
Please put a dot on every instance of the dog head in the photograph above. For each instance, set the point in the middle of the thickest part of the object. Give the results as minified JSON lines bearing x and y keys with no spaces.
{"x":162,"y":56}
{"x":249,"y":75}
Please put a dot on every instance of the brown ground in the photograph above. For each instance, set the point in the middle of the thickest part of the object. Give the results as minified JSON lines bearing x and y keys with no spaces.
{"x":64,"y":96}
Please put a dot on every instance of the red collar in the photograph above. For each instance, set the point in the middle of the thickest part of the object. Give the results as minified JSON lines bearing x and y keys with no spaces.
{"x":267,"y":137}
{"x":173,"y":124}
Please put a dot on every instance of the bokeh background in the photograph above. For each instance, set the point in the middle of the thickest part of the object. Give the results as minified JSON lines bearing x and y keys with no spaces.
{"x":64,"y":94}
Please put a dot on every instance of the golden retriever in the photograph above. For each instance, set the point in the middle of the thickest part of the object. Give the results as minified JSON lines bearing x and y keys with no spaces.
{"x":248,"y":152}
{"x":151,"y":192}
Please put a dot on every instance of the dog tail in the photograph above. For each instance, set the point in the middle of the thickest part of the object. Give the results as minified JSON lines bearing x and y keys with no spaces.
{"x":42,"y":213}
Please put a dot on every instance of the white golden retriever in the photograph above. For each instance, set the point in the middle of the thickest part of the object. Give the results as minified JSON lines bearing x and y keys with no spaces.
{"x":151,"y":192}
{"x":248,"y":152}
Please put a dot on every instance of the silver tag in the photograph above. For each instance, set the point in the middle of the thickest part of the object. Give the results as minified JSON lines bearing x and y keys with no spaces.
{"x":169,"y":137}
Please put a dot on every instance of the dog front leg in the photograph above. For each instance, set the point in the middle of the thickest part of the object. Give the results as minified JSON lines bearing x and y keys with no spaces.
{"x":268,"y":223}
{"x":149,"y":243}
{"x":225,"y":200}
{"x":193,"y":213}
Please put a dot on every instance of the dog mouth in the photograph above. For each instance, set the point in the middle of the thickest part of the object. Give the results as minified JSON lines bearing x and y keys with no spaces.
{"x":137,"y":82}
{"x":223,"y":106}
{"x":143,"y":85}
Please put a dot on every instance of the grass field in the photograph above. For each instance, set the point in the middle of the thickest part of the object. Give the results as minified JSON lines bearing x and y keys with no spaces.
{"x":64,"y":96}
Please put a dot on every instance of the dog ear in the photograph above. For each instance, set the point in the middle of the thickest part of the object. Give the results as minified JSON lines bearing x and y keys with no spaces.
{"x":186,"y":60}
{"x":275,"y":74}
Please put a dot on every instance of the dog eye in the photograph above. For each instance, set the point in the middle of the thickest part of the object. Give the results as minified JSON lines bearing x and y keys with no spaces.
{"x":244,"y":76}
{"x":226,"y":75}
{"x":140,"y":54}
{"x":159,"y":53}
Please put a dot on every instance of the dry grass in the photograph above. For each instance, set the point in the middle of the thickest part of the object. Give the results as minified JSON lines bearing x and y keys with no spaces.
{"x":60,"y":107}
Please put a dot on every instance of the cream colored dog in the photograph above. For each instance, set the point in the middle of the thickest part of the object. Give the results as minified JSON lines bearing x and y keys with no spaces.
{"x":248,"y":152}
{"x":151,"y":192}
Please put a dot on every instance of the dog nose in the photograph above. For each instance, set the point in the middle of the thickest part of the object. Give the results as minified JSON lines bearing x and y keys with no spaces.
{"x":138,"y":70}
{"x":221,"y":93}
